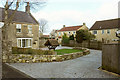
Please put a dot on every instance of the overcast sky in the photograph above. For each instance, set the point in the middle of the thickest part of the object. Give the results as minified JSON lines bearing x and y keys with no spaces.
{"x":77,"y":12}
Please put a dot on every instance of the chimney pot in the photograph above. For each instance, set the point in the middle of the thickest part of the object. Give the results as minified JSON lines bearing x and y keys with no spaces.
{"x":63,"y":25}
{"x":84,"y":24}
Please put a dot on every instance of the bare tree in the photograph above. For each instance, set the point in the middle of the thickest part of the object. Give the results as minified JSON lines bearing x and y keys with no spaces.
{"x":43,"y":25}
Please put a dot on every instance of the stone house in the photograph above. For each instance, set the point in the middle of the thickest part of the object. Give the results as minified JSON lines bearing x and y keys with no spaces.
{"x":105,"y":30}
{"x":69,"y":31}
{"x":23,"y":30}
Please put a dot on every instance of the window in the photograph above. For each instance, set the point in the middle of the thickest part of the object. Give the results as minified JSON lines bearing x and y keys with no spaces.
{"x":59,"y":34}
{"x":24,"y":42}
{"x":73,"y":33}
{"x":102,"y":31}
{"x":29,"y":28}
{"x":94,"y":32}
{"x":108,"y":31}
{"x":18,"y":28}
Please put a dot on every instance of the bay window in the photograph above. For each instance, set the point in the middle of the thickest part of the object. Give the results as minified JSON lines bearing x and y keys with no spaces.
{"x":24,"y":42}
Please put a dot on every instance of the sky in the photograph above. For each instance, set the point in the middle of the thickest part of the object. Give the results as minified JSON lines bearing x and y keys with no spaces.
{"x":76,"y":12}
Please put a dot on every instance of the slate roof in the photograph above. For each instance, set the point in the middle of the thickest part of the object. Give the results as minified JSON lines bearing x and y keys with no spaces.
{"x":106,"y":24}
{"x":72,"y":28}
{"x":20,"y":16}
{"x":51,"y":42}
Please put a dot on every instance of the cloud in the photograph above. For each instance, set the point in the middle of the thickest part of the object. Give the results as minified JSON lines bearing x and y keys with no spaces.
{"x":56,"y":19}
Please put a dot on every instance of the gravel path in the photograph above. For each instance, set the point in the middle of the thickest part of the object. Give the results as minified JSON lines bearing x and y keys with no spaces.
{"x":83,"y":67}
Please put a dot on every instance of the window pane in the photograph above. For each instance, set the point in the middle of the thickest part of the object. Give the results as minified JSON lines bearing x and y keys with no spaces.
{"x":19,"y":43}
{"x":27,"y":42}
{"x":18,"y":27}
{"x":94,"y":32}
{"x":102,"y":31}
{"x":23,"y":42}
{"x":30,"y":28}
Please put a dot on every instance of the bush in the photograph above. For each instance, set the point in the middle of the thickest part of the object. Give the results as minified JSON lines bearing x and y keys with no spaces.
{"x":82,"y":35}
{"x":65,"y":39}
{"x":71,"y":37}
{"x":16,"y":50}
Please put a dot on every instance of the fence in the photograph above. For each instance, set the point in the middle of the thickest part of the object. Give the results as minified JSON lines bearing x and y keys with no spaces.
{"x":86,"y":44}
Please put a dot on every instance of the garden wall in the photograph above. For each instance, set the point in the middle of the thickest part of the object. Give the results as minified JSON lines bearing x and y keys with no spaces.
{"x":86,"y":44}
{"x":111,"y":57}
{"x":24,"y":58}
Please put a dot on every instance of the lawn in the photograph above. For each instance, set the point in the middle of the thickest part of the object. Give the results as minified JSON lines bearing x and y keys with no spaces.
{"x":66,"y":51}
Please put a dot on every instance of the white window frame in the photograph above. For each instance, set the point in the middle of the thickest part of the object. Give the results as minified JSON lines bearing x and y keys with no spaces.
{"x":18,"y":26}
{"x":30,"y":29}
{"x":25,"y":42}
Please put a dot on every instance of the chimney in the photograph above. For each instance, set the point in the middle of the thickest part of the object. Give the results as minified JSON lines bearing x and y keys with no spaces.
{"x":63,"y":26}
{"x":84,"y":24}
{"x":28,"y":8}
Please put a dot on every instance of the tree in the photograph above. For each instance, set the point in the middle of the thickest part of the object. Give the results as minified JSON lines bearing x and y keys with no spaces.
{"x":43,"y":25}
{"x":71,"y":37}
{"x":65,"y":39}
{"x":83,"y":35}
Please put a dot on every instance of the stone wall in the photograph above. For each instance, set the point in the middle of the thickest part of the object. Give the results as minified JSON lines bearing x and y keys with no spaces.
{"x":42,"y":42}
{"x":111,"y":57}
{"x":23,"y":58}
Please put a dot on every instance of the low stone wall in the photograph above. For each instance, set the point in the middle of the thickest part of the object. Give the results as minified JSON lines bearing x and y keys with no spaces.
{"x":24,"y":58}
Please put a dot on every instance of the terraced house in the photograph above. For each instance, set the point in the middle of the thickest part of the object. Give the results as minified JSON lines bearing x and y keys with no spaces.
{"x":69,"y":31}
{"x":105,"y":30}
{"x":23,"y":30}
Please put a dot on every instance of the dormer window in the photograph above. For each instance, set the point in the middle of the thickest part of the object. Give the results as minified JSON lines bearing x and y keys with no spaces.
{"x":18,"y":28}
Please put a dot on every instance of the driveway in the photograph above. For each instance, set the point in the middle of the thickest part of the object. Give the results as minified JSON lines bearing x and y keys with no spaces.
{"x":82,"y":67}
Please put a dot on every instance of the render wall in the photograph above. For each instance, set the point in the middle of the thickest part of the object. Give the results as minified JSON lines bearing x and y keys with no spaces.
{"x":106,"y":36}
{"x":111,"y":57}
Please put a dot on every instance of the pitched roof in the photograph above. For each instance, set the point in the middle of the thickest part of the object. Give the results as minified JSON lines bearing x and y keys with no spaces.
{"x":51,"y":42}
{"x":20,"y":17}
{"x":72,"y":28}
{"x":106,"y":24}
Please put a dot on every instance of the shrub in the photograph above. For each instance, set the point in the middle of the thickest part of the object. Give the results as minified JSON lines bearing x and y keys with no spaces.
{"x":16,"y":50}
{"x":65,"y":39}
{"x":71,"y":37}
{"x":82,"y":35}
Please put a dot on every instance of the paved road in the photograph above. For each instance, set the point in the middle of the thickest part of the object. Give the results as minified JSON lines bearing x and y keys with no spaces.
{"x":83,"y":67}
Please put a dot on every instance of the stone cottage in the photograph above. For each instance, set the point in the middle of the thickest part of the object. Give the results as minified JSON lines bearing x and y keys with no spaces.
{"x":69,"y":31}
{"x":23,"y":30}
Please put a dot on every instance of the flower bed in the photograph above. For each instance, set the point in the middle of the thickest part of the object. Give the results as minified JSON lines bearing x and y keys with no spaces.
{"x":27,"y":58}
